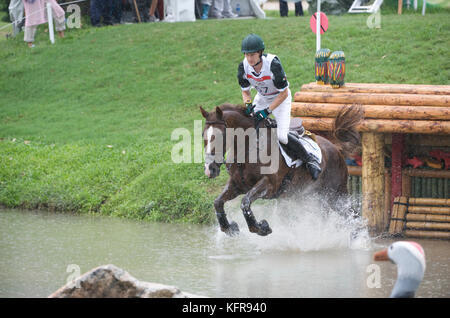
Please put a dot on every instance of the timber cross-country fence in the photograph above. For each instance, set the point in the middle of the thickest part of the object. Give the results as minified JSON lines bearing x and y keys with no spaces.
{"x":396,"y":116}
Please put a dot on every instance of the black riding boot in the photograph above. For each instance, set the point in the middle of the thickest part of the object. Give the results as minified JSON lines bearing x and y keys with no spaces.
{"x":296,"y":150}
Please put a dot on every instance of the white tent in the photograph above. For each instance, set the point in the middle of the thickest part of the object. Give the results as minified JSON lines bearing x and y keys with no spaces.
{"x":179,"y":10}
{"x":248,"y":8}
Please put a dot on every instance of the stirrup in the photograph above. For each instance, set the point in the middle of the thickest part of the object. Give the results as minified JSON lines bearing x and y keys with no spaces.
{"x":313,"y":168}
{"x":300,"y":152}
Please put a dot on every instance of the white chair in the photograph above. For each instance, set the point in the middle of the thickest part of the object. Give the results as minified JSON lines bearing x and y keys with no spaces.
{"x":357,"y":7}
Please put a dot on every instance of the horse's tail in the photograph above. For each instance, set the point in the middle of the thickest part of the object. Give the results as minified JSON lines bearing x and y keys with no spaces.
{"x":344,"y":129}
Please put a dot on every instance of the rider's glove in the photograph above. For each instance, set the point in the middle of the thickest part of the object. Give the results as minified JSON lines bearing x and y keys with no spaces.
{"x":262,"y":114}
{"x":249,"y":107}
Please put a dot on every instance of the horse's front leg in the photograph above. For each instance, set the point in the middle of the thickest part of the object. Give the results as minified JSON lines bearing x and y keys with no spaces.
{"x":229,"y":192}
{"x":261,"y":189}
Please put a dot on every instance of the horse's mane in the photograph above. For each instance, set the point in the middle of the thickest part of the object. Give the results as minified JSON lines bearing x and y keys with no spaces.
{"x":233,"y":107}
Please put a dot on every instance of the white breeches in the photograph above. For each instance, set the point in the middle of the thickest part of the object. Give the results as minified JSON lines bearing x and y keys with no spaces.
{"x":282,"y":114}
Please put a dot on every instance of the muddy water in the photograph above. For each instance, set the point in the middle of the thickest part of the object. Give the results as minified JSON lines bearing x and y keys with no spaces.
{"x":305,"y":256}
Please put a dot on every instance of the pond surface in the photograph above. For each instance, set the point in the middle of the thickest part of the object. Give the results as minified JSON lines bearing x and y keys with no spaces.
{"x":305,"y":256}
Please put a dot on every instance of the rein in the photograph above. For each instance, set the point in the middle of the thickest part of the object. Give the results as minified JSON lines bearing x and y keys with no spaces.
{"x":268,"y":122}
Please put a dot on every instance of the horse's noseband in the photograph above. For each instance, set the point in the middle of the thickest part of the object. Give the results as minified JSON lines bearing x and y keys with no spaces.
{"x":209,"y":158}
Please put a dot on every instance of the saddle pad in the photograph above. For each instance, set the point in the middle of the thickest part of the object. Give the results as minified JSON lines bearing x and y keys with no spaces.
{"x":296,"y":124}
{"x":310,"y":145}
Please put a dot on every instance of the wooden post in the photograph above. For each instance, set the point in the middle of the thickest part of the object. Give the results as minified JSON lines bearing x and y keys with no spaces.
{"x":427,"y":173}
{"x":427,"y":234}
{"x":437,"y":127}
{"x":429,"y":201}
{"x":373,"y":111}
{"x":373,"y":99}
{"x":428,"y":217}
{"x":137,"y":11}
{"x":400,"y":5}
{"x":373,"y":180}
{"x":398,"y":216}
{"x":406,"y":185}
{"x":160,"y":8}
{"x":394,"y":218}
{"x":379,"y":88}
{"x":429,"y":209}
{"x":387,"y":195}
{"x":396,"y":170}
{"x":429,"y":226}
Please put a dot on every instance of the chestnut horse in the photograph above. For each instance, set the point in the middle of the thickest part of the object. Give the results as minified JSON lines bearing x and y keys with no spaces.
{"x":246,"y":177}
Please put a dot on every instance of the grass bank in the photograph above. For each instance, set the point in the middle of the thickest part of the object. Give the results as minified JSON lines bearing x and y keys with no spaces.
{"x":85,"y":124}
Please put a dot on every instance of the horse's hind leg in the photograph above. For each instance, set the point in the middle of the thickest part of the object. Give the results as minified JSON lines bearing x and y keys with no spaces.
{"x":229,"y":192}
{"x":261,"y":189}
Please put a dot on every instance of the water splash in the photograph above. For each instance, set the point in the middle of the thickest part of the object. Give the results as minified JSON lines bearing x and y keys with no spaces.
{"x":300,"y":225}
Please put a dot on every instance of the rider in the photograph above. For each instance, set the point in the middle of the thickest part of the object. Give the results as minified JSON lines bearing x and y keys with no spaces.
{"x":265,"y":73}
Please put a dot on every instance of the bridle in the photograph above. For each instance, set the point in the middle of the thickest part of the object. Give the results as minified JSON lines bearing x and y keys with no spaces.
{"x":217,"y":122}
{"x":210,"y":158}
{"x":268,"y":122}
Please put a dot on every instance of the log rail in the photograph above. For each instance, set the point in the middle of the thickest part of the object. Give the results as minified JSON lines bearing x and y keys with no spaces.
{"x":389,"y":109}
{"x":421,"y":217}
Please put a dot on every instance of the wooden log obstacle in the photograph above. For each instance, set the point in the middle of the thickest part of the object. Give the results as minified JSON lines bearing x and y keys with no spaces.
{"x":425,"y":183}
{"x":389,"y":109}
{"x":421,"y":217}
{"x":418,"y":183}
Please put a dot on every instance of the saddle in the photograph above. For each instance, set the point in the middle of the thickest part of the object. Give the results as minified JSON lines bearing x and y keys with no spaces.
{"x":296,"y":134}
{"x":295,"y":126}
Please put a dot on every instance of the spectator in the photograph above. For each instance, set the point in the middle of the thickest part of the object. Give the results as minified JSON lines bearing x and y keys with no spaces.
{"x":16,"y":15}
{"x":151,"y":13}
{"x":206,"y":4}
{"x":116,"y":11}
{"x":99,"y":9}
{"x":226,"y":9}
{"x":36,"y":13}
{"x":143,"y":8}
{"x":220,"y":9}
{"x":284,"y":9}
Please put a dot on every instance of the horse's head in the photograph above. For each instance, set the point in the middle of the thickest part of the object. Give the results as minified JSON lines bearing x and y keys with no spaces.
{"x":214,"y":141}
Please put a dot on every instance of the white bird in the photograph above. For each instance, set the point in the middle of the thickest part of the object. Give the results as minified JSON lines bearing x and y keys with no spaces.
{"x":410,"y":260}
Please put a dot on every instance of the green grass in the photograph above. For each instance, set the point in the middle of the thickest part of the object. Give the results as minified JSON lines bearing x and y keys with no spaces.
{"x":85,"y":124}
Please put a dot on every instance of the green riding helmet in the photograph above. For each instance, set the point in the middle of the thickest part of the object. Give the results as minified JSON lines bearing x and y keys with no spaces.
{"x":252,"y":43}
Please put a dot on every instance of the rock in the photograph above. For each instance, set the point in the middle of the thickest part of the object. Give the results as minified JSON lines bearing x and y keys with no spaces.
{"x":109,"y":281}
